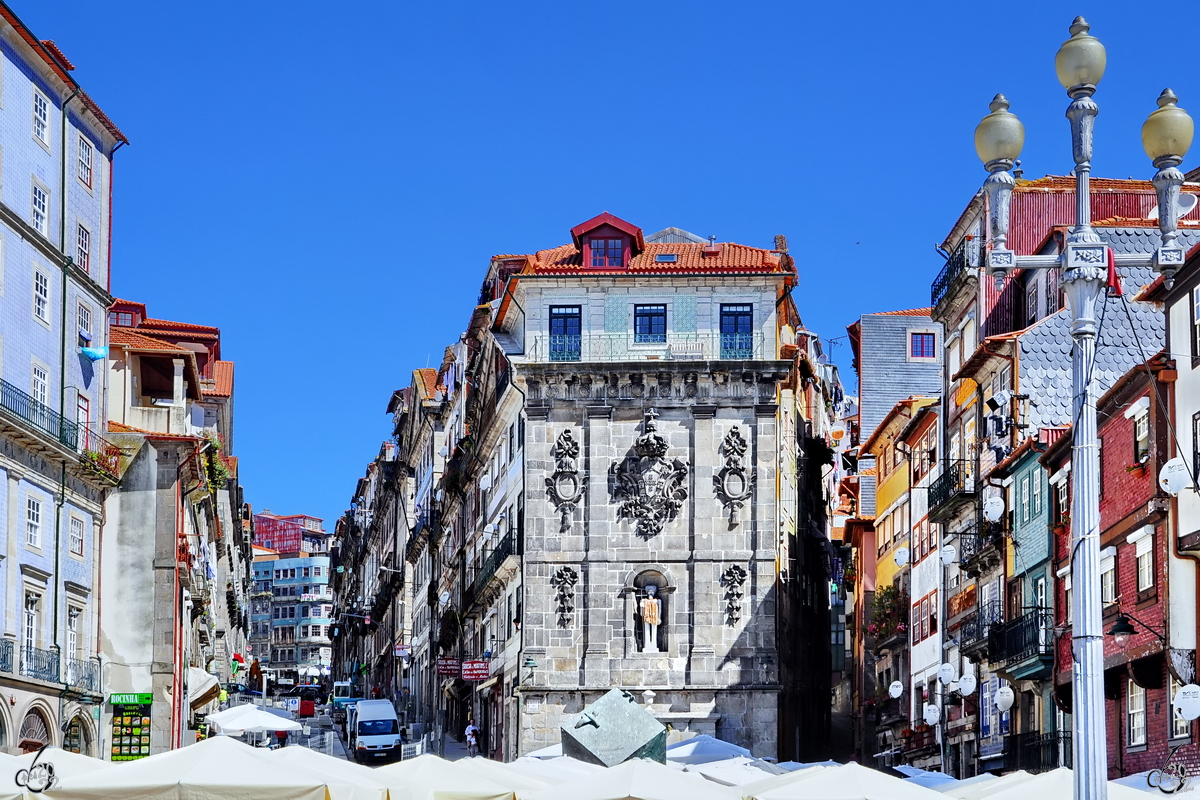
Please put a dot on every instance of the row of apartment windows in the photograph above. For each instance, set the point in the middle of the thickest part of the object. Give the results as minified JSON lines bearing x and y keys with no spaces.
{"x":85,"y":153}
{"x":320,"y":590}
{"x":34,"y":518}
{"x":650,"y":327}
{"x":1135,"y":714}
{"x":1143,"y":564}
{"x":289,"y":612}
{"x":74,"y":647}
{"x":307,"y":654}
{"x":290,"y":572}
{"x":288,"y":633}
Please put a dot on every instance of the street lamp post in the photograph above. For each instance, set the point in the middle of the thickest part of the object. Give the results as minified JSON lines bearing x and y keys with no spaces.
{"x":1083,"y":267}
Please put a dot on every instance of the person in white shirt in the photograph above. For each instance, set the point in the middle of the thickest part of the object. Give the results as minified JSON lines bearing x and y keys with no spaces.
{"x":472,"y":737}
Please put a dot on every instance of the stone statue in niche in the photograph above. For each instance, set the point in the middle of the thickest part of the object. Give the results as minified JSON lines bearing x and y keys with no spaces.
{"x":651,"y":488}
{"x":733,"y":484}
{"x":564,"y":582}
{"x":564,"y":486}
{"x":732,"y":579}
{"x":650,"y":610}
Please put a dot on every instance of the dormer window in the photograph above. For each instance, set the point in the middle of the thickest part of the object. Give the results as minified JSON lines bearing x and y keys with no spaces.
{"x":608,"y":252}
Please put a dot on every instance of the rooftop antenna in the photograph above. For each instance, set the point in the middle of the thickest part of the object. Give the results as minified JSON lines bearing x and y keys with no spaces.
{"x":1017,"y":171}
{"x":712,"y":241}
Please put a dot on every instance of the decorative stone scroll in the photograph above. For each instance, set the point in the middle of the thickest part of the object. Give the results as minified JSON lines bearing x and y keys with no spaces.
{"x":649,"y":487}
{"x":732,"y":579}
{"x":732,"y":484}
{"x":565,"y":485}
{"x":564,"y":581}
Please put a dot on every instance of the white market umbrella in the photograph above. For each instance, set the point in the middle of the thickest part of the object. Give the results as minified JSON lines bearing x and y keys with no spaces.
{"x":638,"y":779}
{"x":847,"y":782}
{"x":972,"y":790}
{"x":703,"y":748}
{"x":773,"y":782}
{"x":552,"y":751}
{"x":554,"y":770}
{"x":1138,"y":781}
{"x":64,"y":763}
{"x":1059,"y":783}
{"x":522,"y":784}
{"x":792,"y":766}
{"x":250,"y":719}
{"x":931,"y":780}
{"x":344,"y":778}
{"x":219,"y":767}
{"x":737,"y":771}
{"x":961,"y":782}
{"x":428,"y":777}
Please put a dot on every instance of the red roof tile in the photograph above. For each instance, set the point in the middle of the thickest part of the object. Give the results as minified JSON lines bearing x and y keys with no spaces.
{"x":222,"y":383}
{"x":690,"y":259}
{"x":150,"y":322}
{"x":128,"y":338}
{"x":428,"y":377}
{"x":121,"y":427}
{"x":907,"y":312}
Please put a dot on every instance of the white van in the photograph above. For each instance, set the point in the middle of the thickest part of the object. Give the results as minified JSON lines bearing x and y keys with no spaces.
{"x":375,"y":730}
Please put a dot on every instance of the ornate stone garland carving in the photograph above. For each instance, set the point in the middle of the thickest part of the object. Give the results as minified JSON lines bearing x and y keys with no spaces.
{"x":651,"y":488}
{"x":732,"y":579}
{"x":733,"y":485}
{"x":565,"y":484}
{"x":564,"y":581}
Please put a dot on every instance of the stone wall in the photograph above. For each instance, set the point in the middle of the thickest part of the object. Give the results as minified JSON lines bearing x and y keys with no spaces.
{"x":713,"y":559}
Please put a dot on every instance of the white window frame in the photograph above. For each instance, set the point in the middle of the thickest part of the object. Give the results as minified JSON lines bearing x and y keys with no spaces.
{"x":39,"y":219}
{"x":1025,"y":499}
{"x":76,"y":537}
{"x":41,"y":295}
{"x":1178,"y":727}
{"x":1108,"y":580}
{"x":83,"y":247}
{"x":74,"y":614}
{"x":41,"y":117}
{"x":84,"y":158}
{"x":1135,"y":714}
{"x":39,"y":383}
{"x":1037,"y":492}
{"x":1144,"y":553}
{"x":34,"y":518}
{"x":29,"y":632}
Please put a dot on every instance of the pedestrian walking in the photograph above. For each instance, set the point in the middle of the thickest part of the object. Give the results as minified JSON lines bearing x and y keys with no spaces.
{"x":472,"y":737}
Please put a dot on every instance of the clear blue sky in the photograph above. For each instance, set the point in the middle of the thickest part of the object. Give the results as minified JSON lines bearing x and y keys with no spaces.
{"x":327,"y":181}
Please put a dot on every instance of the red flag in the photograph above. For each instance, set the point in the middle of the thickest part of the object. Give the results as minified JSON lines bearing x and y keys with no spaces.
{"x":1114,"y":280}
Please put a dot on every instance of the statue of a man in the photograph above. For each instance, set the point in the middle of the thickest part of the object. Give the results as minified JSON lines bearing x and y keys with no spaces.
{"x":651,"y":609}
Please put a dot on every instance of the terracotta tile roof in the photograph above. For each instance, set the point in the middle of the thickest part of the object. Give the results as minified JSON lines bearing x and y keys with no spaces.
{"x":150,"y":322}
{"x":690,"y":259}
{"x":222,"y":383}
{"x":1136,"y":222}
{"x":127,"y":337}
{"x":428,"y":377}
{"x":121,"y":427}
{"x":907,"y":312}
{"x":1067,"y":183}
{"x":869,"y":471}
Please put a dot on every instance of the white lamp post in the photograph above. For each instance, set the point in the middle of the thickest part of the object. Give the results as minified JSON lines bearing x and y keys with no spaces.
{"x":1083,"y":267}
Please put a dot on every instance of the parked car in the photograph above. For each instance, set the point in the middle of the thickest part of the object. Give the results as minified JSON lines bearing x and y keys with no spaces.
{"x":344,"y":696}
{"x":375,"y":730}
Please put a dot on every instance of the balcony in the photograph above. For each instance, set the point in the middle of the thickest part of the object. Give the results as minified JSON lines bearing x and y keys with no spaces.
{"x":892,"y":709}
{"x":82,"y":675}
{"x":643,"y":347}
{"x":101,"y":455}
{"x":1039,"y":752}
{"x":951,"y":489}
{"x":979,"y":548}
{"x":921,"y":740}
{"x":973,"y":634}
{"x":491,"y":564}
{"x":955,"y":267}
{"x":1025,"y":645}
{"x":39,"y":664}
{"x":6,"y":655}
{"x":38,"y":415}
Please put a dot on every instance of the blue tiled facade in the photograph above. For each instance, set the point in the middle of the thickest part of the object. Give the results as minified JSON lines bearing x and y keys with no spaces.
{"x":53,"y":282}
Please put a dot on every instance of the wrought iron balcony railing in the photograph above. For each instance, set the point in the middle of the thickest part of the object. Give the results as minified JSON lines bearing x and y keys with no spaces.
{"x":643,"y":347}
{"x":975,"y":628}
{"x":38,"y":414}
{"x":99,"y":452}
{"x":1028,"y":636}
{"x":954,"y":266}
{"x":919,"y":740}
{"x":83,"y":675}
{"x":1039,"y":752}
{"x":487,"y":570}
{"x":957,"y":480}
{"x":40,"y":664}
{"x":6,"y":656}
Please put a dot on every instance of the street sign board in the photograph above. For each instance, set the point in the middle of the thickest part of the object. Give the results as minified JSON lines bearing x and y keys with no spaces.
{"x":131,"y":699}
{"x":401,"y":650}
{"x":476,"y":671}
{"x":448,"y":666}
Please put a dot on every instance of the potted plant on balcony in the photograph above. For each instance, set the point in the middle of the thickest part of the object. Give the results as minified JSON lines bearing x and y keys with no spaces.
{"x":1138,"y":468}
{"x":1063,"y":525}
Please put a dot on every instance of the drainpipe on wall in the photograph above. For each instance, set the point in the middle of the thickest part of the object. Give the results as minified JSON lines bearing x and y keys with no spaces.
{"x":108,"y":244}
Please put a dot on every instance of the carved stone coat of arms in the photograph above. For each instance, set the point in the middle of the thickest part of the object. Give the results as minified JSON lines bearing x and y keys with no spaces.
{"x":650,"y":487}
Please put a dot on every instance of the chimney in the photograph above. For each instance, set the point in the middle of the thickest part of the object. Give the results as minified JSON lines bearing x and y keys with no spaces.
{"x":712,"y":248}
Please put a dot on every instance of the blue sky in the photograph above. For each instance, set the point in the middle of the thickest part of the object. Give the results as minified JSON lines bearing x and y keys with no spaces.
{"x":327,"y":181}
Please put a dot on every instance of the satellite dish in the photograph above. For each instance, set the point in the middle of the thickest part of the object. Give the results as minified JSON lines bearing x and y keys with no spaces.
{"x":932,"y":714}
{"x":993,"y":509}
{"x":901,"y":556}
{"x":967,"y":685}
{"x":1187,"y":201}
{"x":1004,"y":699}
{"x":949,"y":554}
{"x":822,"y":359}
{"x":1187,"y":702}
{"x":946,"y":673}
{"x":1173,"y":477}
{"x":896,"y":689}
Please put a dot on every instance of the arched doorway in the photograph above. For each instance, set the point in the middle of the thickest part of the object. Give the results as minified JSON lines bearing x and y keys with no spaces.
{"x":77,"y":737}
{"x":35,"y":732}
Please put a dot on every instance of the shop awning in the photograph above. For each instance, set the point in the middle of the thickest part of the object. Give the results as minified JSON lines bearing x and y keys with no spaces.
{"x":202,"y":687}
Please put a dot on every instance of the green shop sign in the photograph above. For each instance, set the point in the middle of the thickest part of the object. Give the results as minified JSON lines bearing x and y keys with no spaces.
{"x":131,"y":699}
